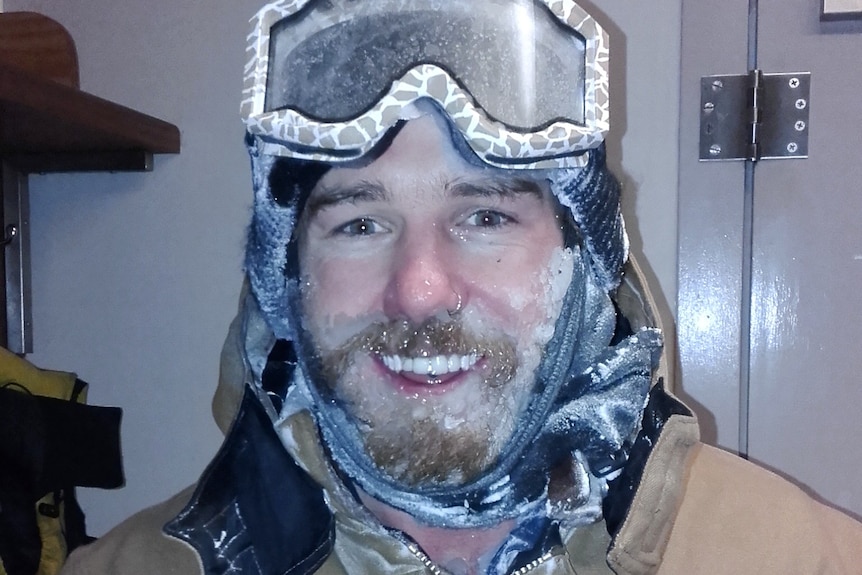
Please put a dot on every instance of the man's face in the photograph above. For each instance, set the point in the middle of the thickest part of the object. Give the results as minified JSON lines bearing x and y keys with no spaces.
{"x":430,"y":287}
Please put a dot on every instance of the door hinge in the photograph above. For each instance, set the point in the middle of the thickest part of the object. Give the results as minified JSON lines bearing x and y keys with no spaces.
{"x":754,"y":116}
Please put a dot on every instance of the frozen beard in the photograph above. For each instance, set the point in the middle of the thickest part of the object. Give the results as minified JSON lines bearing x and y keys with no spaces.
{"x":435,"y":404}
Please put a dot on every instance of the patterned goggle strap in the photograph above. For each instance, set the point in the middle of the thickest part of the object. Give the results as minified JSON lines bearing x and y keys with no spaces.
{"x":525,"y":81}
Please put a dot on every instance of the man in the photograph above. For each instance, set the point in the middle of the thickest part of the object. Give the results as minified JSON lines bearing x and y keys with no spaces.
{"x":444,"y":361}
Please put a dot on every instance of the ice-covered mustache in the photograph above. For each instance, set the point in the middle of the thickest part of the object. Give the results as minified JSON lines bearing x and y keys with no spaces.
{"x":435,"y":348}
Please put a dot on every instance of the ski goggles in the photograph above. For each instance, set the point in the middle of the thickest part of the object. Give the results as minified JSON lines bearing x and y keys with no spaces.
{"x":524,"y":81}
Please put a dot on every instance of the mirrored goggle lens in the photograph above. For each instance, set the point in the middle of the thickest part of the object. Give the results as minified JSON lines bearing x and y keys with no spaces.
{"x":335,"y":59}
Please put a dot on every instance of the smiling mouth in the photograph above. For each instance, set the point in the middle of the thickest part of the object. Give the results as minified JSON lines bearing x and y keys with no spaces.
{"x":432,"y":367}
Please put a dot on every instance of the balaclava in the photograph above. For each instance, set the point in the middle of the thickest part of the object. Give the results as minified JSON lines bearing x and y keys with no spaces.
{"x":592,"y":382}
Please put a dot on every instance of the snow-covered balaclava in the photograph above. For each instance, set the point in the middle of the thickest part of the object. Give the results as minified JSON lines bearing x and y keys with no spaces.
{"x":522,"y":85}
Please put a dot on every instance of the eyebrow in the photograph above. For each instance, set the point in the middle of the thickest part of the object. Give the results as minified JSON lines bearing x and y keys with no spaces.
{"x":364,"y":191}
{"x":369,"y":191}
{"x":501,"y":187}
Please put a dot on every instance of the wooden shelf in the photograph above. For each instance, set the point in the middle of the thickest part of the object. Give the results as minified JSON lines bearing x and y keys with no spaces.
{"x":46,"y":126}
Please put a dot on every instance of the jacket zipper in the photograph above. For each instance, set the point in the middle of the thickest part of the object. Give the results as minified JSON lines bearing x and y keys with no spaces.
{"x":533,"y":564}
{"x":435,"y":570}
{"x":426,"y":561}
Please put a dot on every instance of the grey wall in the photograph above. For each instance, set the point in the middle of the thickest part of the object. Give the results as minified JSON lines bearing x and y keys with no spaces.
{"x":135,"y":276}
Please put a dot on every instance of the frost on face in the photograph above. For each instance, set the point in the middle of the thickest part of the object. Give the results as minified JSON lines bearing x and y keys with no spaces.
{"x":436,"y":403}
{"x":433,"y":426}
{"x":553,"y":288}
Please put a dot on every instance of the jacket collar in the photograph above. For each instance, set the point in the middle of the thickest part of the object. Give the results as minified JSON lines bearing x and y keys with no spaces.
{"x":254,"y":510}
{"x":642,"y":503}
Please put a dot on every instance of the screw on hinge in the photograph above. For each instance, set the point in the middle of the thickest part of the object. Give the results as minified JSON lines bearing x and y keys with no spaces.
{"x":801,"y":103}
{"x":792,"y":147}
{"x":717,"y":85}
{"x":800,"y":126}
{"x":714,"y":150}
{"x":11,"y":232}
{"x":793,"y":83}
{"x":708,"y":107}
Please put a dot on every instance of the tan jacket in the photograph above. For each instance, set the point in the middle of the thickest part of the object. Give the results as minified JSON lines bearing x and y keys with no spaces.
{"x":696,"y":509}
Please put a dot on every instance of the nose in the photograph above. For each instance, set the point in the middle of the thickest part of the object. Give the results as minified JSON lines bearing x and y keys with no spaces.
{"x":424,"y":281}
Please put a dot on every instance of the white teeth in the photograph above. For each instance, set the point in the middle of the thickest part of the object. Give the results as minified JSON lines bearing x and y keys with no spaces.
{"x":435,"y":365}
{"x":421,"y":365}
{"x":453,"y":363}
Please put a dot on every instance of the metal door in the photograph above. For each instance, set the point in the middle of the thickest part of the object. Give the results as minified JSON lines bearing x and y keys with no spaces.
{"x":770,"y":254}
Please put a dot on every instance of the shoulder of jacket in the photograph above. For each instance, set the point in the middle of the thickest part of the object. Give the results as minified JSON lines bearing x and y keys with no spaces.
{"x":138,"y":546}
{"x":738,"y":517}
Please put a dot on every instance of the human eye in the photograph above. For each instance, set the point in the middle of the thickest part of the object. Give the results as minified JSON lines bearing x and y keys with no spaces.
{"x":488,"y":219}
{"x":359,"y":227}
